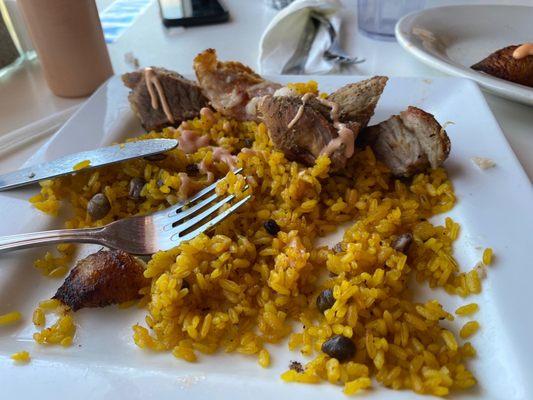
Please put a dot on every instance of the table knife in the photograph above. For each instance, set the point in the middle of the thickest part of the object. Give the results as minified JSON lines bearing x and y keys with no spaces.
{"x":93,"y":158}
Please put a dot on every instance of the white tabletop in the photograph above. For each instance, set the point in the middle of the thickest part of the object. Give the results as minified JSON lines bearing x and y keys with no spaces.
{"x":25,"y":99}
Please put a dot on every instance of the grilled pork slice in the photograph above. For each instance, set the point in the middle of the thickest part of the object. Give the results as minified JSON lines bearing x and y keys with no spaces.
{"x":306,"y":138}
{"x":357,"y":101}
{"x":230,"y":86}
{"x":409,"y":143}
{"x":101,"y":279}
{"x":184,"y":98}
{"x":502,"y":64}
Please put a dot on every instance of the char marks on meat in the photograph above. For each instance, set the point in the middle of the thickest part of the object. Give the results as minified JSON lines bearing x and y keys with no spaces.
{"x":357,"y":101}
{"x":307,"y":137}
{"x":502,"y":64}
{"x":230,"y":86}
{"x":184,"y":98}
{"x":410,"y":142}
{"x":101,"y":279}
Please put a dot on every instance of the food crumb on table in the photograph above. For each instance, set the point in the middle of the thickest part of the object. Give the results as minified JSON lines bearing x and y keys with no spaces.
{"x":483,"y":162}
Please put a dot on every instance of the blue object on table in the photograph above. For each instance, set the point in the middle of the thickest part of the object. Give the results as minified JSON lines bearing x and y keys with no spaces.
{"x":377,"y":18}
{"x":120,"y":15}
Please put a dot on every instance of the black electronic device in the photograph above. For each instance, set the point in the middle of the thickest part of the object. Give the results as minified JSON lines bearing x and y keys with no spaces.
{"x":192,"y":12}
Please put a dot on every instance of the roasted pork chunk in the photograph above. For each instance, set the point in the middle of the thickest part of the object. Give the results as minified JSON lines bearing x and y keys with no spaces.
{"x":230,"y":86}
{"x":101,"y":279}
{"x":303,"y":131}
{"x":357,"y":101}
{"x":183,"y":98}
{"x":410,"y":142}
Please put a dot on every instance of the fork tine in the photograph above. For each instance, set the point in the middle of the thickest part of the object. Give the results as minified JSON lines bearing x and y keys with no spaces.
{"x":176,"y":207}
{"x":178,"y":228}
{"x":214,"y":221}
{"x":188,"y":211}
{"x":181,"y":215}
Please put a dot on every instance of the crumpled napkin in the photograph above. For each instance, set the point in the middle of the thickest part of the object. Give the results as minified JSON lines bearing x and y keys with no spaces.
{"x":282,"y":35}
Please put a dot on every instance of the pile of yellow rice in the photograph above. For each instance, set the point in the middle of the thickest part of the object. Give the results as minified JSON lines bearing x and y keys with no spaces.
{"x":238,"y":287}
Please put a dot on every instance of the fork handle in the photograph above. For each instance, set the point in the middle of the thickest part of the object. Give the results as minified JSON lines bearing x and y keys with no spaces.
{"x":25,"y":240}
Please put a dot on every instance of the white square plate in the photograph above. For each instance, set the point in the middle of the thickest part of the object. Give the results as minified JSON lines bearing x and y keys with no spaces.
{"x":494,"y":207}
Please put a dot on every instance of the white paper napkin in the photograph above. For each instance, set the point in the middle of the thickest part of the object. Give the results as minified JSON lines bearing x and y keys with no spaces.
{"x":282,"y":35}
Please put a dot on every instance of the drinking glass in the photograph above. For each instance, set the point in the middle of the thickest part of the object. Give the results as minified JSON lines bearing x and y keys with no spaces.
{"x":10,"y":51}
{"x":377,"y":18}
{"x":19,"y":28}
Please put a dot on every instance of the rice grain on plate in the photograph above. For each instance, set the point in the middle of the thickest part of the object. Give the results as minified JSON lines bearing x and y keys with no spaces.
{"x":467,"y":309}
{"x":21,"y":357}
{"x":10,"y":318}
{"x":240,"y":287}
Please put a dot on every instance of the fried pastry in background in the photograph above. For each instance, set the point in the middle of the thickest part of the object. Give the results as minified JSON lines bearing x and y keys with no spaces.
{"x":502,"y":64}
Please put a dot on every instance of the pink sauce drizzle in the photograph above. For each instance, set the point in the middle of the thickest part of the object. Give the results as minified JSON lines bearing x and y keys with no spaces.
{"x":152,"y":81}
{"x":221,"y":154}
{"x":207,"y":113}
{"x":300,"y":111}
{"x":334,"y":113}
{"x":186,"y":185}
{"x":523,"y":51}
{"x":205,"y":169}
{"x":345,"y":136}
{"x":190,"y":142}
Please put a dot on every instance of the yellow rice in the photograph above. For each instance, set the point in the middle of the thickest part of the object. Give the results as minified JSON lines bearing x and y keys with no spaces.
{"x":38,"y":318}
{"x":10,"y":318}
{"x":487,"y":256}
{"x":467,"y":309}
{"x":61,"y":332}
{"x":469,"y":329}
{"x":81,"y":165}
{"x":21,"y":357}
{"x":245,"y":288}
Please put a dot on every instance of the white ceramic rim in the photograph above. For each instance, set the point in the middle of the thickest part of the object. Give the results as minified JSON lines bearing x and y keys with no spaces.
{"x":492,"y":84}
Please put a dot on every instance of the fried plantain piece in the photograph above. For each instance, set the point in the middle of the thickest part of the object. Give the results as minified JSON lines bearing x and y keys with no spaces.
{"x":103,"y":278}
{"x":502,"y":64}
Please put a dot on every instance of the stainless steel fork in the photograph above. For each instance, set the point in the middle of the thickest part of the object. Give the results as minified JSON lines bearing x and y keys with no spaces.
{"x":296,"y":64}
{"x":142,"y":235}
{"x":335,"y":53}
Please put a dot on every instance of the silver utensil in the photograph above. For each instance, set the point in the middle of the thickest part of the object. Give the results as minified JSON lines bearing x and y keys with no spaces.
{"x":335,"y":53}
{"x":296,"y":64}
{"x":142,"y":235}
{"x":97,"y":158}
{"x":278,"y":4}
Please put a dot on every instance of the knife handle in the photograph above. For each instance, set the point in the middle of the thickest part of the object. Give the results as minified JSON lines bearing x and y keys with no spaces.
{"x":25,"y":240}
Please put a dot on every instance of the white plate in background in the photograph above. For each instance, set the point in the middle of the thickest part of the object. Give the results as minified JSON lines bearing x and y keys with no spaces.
{"x":494,"y":208}
{"x":452,"y":38}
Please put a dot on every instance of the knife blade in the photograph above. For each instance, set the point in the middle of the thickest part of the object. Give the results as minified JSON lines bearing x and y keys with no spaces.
{"x":296,"y":64}
{"x":97,"y":158}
